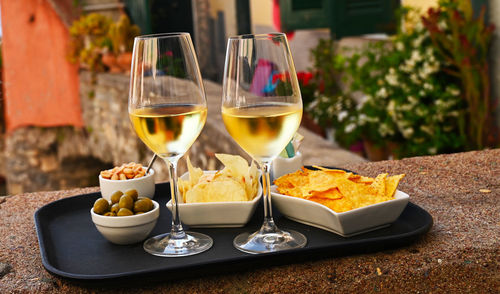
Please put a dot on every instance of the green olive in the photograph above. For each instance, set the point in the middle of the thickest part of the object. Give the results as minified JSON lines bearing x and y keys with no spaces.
{"x":143,"y":205}
{"x":115,"y":207}
{"x":101,"y":206}
{"x":115,"y":197}
{"x":126,"y":202}
{"x":140,"y":212}
{"x":110,"y":213}
{"x":124,"y":212}
{"x":132,"y":193}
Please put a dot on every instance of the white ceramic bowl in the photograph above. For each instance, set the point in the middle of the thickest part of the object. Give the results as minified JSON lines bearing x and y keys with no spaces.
{"x":216,"y":214}
{"x":282,"y":166}
{"x":124,"y":230}
{"x":145,"y":185}
{"x":349,"y":223}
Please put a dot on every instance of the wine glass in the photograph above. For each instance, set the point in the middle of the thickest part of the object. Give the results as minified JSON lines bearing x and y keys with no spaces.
{"x":168,"y":110}
{"x":262,"y":110}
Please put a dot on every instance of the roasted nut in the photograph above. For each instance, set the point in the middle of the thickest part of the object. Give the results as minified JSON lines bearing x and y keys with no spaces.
{"x":127,"y":171}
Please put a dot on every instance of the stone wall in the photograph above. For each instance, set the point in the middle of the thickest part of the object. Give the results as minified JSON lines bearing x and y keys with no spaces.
{"x":42,"y":159}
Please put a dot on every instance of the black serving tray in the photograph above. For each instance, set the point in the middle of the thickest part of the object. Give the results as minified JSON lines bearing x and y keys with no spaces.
{"x":72,"y":248}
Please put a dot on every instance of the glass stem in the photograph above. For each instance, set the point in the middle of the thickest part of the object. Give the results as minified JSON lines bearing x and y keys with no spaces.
{"x":177,"y":231}
{"x":268,"y":226}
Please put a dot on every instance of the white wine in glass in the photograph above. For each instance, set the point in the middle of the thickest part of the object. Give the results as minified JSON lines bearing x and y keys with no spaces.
{"x":167,"y":107}
{"x":262,"y":110}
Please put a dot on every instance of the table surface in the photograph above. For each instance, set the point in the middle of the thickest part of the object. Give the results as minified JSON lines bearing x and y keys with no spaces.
{"x":460,"y":254}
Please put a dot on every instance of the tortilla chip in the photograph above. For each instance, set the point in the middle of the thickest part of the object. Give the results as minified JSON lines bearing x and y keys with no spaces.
{"x":391,"y":184}
{"x":339,"y":190}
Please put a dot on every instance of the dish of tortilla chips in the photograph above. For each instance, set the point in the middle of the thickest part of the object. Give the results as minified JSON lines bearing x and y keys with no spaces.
{"x":339,"y":201}
{"x":225,"y":198}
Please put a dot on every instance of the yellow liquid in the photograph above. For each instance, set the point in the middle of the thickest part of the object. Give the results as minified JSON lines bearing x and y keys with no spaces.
{"x":169,"y":130}
{"x":262,"y":131}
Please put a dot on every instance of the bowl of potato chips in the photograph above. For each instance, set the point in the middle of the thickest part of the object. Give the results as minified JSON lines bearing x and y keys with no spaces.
{"x":224,"y":198}
{"x":339,"y":201}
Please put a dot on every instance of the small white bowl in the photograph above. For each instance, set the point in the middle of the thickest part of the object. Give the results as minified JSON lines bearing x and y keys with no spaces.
{"x":216,"y":214}
{"x":349,"y":223}
{"x":145,"y":185}
{"x":282,"y":166}
{"x":123,"y":230}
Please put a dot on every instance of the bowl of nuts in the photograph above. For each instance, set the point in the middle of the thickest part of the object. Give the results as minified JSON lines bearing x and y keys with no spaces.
{"x":126,"y":218}
{"x":126,"y":177}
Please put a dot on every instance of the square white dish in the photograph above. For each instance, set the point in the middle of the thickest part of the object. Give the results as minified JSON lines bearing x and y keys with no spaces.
{"x":216,"y":214}
{"x":346,"y":224}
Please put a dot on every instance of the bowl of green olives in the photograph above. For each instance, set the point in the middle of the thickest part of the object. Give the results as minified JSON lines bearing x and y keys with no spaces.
{"x":126,"y":218}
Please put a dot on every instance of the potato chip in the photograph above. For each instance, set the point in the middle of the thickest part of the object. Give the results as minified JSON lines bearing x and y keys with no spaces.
{"x":194,"y":173}
{"x":236,"y":182}
{"x":217,"y":191}
{"x":339,"y":190}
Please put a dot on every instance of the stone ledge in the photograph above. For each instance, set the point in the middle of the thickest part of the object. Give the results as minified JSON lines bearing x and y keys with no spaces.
{"x":460,"y":254}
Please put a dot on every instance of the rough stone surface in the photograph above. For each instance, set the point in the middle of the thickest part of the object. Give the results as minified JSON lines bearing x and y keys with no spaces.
{"x":460,"y":254}
{"x":5,"y":268}
{"x":41,"y":159}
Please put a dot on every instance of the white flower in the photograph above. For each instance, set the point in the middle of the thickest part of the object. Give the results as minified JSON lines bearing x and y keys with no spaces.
{"x":330,"y":110}
{"x":419,"y":26}
{"x":427,"y":129}
{"x":453,"y":91}
{"x":414,"y":78}
{"x":404,"y":107}
{"x":405,"y":68}
{"x":400,"y":46}
{"x":349,"y":128}
{"x":365,"y":98}
{"x":418,"y":41}
{"x":426,"y":70}
{"x":392,"y":78}
{"x":362,"y":119}
{"x":384,"y":130}
{"x":432,"y":150}
{"x":442,"y":25}
{"x":313,"y":104}
{"x":382,"y":93}
{"x":410,"y":64}
{"x":415,"y":56}
{"x":421,"y":111}
{"x":391,"y":108}
{"x":407,"y":132}
{"x":428,"y":86}
{"x":412,"y":100}
{"x":429,"y":52}
{"x":343,"y":114}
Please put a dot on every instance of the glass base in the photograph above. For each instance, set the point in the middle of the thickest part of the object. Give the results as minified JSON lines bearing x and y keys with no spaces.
{"x":166,"y":246}
{"x":260,"y":242}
